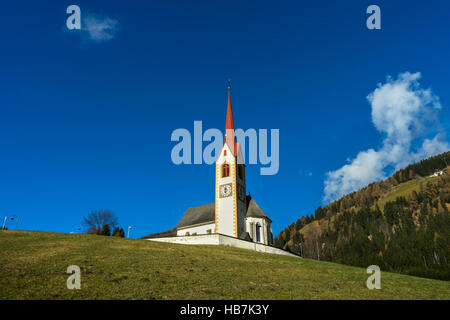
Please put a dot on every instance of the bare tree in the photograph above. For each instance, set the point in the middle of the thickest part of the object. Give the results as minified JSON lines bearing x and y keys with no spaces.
{"x":312,"y":238}
{"x":96,"y":220}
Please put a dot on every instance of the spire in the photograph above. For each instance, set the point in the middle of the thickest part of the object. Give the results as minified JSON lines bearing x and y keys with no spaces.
{"x":230,"y":137}
{"x":229,"y":123}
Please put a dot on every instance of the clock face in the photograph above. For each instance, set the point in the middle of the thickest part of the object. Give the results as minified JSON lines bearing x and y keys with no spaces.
{"x":225,"y":190}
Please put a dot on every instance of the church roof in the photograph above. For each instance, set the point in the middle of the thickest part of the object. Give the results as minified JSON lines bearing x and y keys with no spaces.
{"x":168,"y":233}
{"x":245,"y":236}
{"x":206,"y":213}
{"x":254,"y":210}
{"x":229,"y":125}
{"x":197,"y":215}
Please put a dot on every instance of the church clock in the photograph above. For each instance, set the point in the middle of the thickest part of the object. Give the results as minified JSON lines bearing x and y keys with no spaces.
{"x":226,"y":190}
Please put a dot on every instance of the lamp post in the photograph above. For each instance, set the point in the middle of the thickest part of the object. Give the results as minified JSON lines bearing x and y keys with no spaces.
{"x":129,"y":228}
{"x":12,"y":219}
{"x":17,"y":222}
{"x":4,"y":222}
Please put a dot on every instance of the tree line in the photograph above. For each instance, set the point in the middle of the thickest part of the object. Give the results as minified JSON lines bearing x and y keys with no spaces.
{"x":103,"y":222}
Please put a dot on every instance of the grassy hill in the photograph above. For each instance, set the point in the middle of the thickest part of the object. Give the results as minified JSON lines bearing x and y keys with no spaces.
{"x":33,"y":266}
{"x":403,"y":190}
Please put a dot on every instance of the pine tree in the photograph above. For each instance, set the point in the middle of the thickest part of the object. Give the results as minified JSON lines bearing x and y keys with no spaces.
{"x":105,"y":231}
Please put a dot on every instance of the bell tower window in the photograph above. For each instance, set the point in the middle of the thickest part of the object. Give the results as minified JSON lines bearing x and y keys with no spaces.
{"x":225,"y":170}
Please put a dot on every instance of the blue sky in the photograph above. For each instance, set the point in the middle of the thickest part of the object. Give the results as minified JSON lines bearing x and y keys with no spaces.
{"x":86,"y":123}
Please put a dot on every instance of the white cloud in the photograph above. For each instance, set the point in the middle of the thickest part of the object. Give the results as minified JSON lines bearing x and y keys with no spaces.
{"x":401,"y":110}
{"x":99,"y":29}
{"x":431,"y":147}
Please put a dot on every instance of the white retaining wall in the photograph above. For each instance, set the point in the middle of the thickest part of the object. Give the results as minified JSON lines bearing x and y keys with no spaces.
{"x":199,"y":239}
{"x":220,"y":239}
{"x":200,"y":229}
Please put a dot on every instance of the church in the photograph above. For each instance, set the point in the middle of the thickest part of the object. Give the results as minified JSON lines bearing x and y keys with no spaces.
{"x":234,"y":218}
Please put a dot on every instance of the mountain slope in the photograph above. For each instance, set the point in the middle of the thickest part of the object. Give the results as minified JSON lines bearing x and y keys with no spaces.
{"x":33,"y":266}
{"x":401,"y":224}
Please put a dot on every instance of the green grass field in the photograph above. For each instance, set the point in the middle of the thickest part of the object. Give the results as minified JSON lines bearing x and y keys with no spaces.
{"x":33,"y":266}
{"x":403,"y":190}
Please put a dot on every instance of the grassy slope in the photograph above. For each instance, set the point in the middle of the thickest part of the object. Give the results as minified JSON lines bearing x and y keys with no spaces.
{"x":33,"y":265}
{"x":403,"y":190}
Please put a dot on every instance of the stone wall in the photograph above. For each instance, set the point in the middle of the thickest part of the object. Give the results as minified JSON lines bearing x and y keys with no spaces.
{"x":220,"y":239}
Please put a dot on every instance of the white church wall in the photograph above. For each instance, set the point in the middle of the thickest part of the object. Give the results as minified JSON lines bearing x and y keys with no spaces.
{"x":212,"y":239}
{"x":200,"y":229}
{"x":219,"y":239}
{"x":264,"y":226}
{"x":233,"y":242}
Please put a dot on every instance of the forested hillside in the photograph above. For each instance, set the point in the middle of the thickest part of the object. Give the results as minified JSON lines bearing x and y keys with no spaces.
{"x":401,"y":224}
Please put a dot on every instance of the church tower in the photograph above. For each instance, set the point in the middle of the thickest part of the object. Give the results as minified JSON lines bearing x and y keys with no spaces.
{"x":230,"y":202}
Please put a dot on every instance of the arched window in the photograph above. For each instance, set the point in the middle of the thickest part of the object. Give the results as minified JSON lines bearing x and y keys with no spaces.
{"x":258,"y":232}
{"x":225,"y":170}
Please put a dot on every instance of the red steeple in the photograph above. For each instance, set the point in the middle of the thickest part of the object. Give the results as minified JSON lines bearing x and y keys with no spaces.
{"x":229,"y":124}
{"x":230,"y":137}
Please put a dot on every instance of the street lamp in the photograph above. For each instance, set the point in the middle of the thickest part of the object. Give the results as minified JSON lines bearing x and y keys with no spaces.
{"x":4,"y":222}
{"x":17,"y":221}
